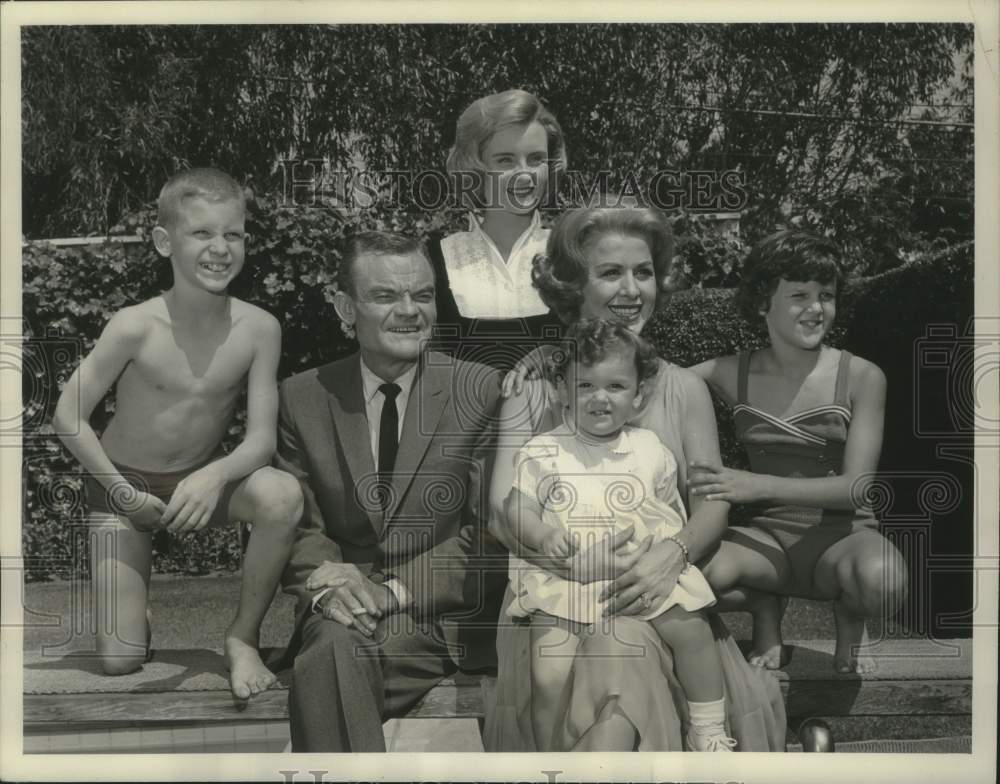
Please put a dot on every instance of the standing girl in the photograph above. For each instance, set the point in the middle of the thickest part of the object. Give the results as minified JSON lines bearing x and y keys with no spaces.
{"x":508,"y":151}
{"x":810,"y":417}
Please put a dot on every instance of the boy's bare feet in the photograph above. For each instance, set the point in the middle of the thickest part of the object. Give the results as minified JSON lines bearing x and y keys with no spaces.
{"x":247,"y":673}
{"x":767,"y":650}
{"x":851,"y":637}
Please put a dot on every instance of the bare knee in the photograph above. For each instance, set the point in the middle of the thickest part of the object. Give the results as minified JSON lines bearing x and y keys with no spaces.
{"x":277,"y":500}
{"x":881,"y":583}
{"x":722,"y":571}
{"x":746,"y":559}
{"x":873,"y":584}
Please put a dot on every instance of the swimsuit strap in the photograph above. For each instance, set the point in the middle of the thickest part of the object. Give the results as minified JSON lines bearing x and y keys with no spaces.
{"x":843,"y":378}
{"x":741,"y":377}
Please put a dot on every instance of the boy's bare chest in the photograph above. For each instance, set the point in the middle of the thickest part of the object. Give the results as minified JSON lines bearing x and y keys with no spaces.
{"x":187,"y":363}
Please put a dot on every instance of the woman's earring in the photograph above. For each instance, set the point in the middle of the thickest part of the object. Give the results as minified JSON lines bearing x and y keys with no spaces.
{"x":348,"y":330}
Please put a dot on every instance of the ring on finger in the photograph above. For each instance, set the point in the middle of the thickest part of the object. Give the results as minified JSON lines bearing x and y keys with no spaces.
{"x":646,"y":603}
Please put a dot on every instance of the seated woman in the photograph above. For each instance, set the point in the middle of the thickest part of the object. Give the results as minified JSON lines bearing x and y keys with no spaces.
{"x":810,"y":417}
{"x":621,"y":692}
{"x":508,"y":151}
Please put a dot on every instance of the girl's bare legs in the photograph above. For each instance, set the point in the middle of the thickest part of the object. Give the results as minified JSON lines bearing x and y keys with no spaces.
{"x":866,"y":577}
{"x":553,"y":646}
{"x":746,"y":573}
{"x":120,"y":559}
{"x":767,"y":648}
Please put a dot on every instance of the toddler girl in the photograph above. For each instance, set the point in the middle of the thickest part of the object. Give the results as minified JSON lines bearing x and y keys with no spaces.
{"x":587,"y":478}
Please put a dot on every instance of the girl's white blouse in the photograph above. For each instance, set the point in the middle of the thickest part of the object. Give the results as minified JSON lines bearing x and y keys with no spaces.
{"x":483,"y":284}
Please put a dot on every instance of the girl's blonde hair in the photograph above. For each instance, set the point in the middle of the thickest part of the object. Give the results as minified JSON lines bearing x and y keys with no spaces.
{"x":480,"y":121}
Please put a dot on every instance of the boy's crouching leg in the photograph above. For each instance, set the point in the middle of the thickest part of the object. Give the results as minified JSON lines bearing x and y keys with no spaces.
{"x":272,"y":501}
{"x":120,"y":564}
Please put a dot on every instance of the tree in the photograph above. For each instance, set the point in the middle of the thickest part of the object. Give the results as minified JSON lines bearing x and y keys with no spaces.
{"x":818,"y":119}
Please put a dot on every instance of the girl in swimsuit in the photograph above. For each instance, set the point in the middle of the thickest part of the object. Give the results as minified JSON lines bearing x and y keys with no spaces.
{"x":810,"y":417}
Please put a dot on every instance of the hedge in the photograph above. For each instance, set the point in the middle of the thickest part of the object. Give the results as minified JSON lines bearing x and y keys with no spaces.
{"x":70,"y":292}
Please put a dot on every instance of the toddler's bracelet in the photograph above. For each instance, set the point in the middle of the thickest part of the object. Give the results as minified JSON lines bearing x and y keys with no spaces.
{"x":684,"y":551}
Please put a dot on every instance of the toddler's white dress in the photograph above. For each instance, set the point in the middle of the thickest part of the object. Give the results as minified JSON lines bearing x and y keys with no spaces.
{"x":593,"y":489}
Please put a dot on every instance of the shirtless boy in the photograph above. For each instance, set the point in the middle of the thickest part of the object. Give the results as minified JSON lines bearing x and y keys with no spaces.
{"x":179,"y":363}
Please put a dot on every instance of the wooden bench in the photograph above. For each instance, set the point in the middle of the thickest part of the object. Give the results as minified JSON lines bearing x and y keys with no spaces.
{"x":923,"y":681}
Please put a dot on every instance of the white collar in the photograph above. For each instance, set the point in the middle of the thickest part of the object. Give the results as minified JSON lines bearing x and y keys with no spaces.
{"x":370,"y":382}
{"x":476,"y":228}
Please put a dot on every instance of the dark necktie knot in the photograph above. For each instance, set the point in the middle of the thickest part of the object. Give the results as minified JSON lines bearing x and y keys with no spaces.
{"x":390,"y":390}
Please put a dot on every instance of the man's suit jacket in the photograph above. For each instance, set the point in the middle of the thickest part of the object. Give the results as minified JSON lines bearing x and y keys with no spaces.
{"x":433,"y":536}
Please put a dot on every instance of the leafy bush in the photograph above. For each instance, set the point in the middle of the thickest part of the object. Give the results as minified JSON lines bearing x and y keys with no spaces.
{"x":707,"y":255}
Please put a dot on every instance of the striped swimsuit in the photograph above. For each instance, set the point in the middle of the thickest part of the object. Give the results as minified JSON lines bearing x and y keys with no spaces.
{"x":805,"y":444}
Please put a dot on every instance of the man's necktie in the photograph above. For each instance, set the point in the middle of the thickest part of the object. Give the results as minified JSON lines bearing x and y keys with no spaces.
{"x":388,"y":441}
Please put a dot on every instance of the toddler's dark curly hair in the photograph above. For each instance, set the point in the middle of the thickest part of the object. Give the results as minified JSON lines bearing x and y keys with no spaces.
{"x":593,"y":340}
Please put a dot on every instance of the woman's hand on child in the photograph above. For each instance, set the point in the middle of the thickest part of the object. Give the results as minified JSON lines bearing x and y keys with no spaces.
{"x":193,"y":502}
{"x":648,"y":582}
{"x":606,"y":559}
{"x":530,"y":367}
{"x":718,"y":483}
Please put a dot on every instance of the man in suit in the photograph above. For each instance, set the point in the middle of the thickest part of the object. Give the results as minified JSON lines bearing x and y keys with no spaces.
{"x":397,"y":580}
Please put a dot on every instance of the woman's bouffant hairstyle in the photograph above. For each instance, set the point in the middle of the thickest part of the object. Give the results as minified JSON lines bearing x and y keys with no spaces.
{"x":560,"y":274}
{"x":210,"y":184}
{"x":792,"y":254}
{"x":480,"y":121}
{"x":590,"y":341}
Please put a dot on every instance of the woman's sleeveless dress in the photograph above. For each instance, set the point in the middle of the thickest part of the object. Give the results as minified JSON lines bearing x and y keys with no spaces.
{"x":806,"y":444}
{"x":633,"y":668}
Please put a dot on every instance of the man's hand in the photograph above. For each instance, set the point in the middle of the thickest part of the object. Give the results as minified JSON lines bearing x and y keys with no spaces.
{"x":194,"y":500}
{"x":353,"y":600}
{"x":329,"y":573}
